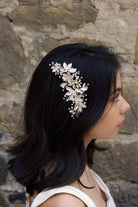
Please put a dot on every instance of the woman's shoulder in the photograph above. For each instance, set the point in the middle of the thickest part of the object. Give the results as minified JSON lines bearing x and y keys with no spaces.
{"x":62,"y":200}
{"x":61,"y":197}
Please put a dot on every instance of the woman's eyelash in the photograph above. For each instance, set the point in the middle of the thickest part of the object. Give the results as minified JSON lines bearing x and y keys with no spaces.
{"x":116,"y":97}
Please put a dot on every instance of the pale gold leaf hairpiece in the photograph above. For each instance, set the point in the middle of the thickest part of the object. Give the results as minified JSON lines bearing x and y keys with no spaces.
{"x":75,"y":89}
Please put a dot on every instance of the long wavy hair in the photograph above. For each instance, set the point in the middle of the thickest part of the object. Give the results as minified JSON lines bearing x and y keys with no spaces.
{"x":51,"y":153}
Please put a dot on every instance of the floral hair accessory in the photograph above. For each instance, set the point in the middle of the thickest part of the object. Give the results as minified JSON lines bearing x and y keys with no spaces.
{"x":73,"y":85}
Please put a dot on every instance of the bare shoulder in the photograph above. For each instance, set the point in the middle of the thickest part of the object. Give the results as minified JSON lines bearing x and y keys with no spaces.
{"x":63,"y":200}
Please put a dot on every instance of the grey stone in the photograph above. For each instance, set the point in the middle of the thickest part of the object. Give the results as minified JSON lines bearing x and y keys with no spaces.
{"x":136,"y":51}
{"x":3,"y":148}
{"x":19,"y":205}
{"x":37,"y":16}
{"x":131,"y":118}
{"x":7,"y":6}
{"x":33,"y":22}
{"x":119,"y":162}
{"x":50,"y":2}
{"x":128,"y":5}
{"x":1,"y":135}
{"x":10,"y":118}
{"x":12,"y":59}
{"x":57,"y":3}
{"x":34,"y":2}
{"x":3,"y":170}
{"x":51,"y":43}
{"x":3,"y":202}
{"x":125,"y":195}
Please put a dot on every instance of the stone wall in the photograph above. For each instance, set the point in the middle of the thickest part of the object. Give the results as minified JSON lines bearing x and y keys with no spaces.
{"x":29,"y":29}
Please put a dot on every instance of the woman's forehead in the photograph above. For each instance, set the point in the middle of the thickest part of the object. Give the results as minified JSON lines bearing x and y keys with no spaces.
{"x":118,"y":81}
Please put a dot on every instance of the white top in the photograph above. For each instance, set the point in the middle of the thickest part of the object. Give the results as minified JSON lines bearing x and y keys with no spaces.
{"x":45,"y":194}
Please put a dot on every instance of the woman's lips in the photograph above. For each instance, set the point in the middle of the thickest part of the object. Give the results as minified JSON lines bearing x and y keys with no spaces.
{"x":120,"y":125}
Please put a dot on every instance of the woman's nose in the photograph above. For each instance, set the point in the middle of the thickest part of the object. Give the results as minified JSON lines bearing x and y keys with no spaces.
{"x":125,"y":106}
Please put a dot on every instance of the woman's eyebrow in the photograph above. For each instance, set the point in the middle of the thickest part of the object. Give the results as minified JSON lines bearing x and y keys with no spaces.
{"x":117,"y":89}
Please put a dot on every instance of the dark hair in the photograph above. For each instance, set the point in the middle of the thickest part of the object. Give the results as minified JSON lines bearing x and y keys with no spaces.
{"x":51,"y":153}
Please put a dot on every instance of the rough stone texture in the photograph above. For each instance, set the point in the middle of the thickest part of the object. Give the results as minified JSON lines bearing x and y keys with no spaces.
{"x":3,"y":202}
{"x":128,"y":5}
{"x":19,"y":205}
{"x":10,"y":116}
{"x":51,"y":16}
{"x":31,"y":28}
{"x":1,"y":135}
{"x":136,"y":51}
{"x":49,"y":44}
{"x":131,"y":95}
{"x":7,"y":6}
{"x":125,"y":195}
{"x":3,"y":170}
{"x":119,"y":162}
{"x":50,"y":2}
{"x":118,"y":166}
{"x":33,"y":2}
{"x":12,"y":69}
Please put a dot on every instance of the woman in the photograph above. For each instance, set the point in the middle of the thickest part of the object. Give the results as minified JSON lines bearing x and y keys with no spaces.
{"x":74,"y":98}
